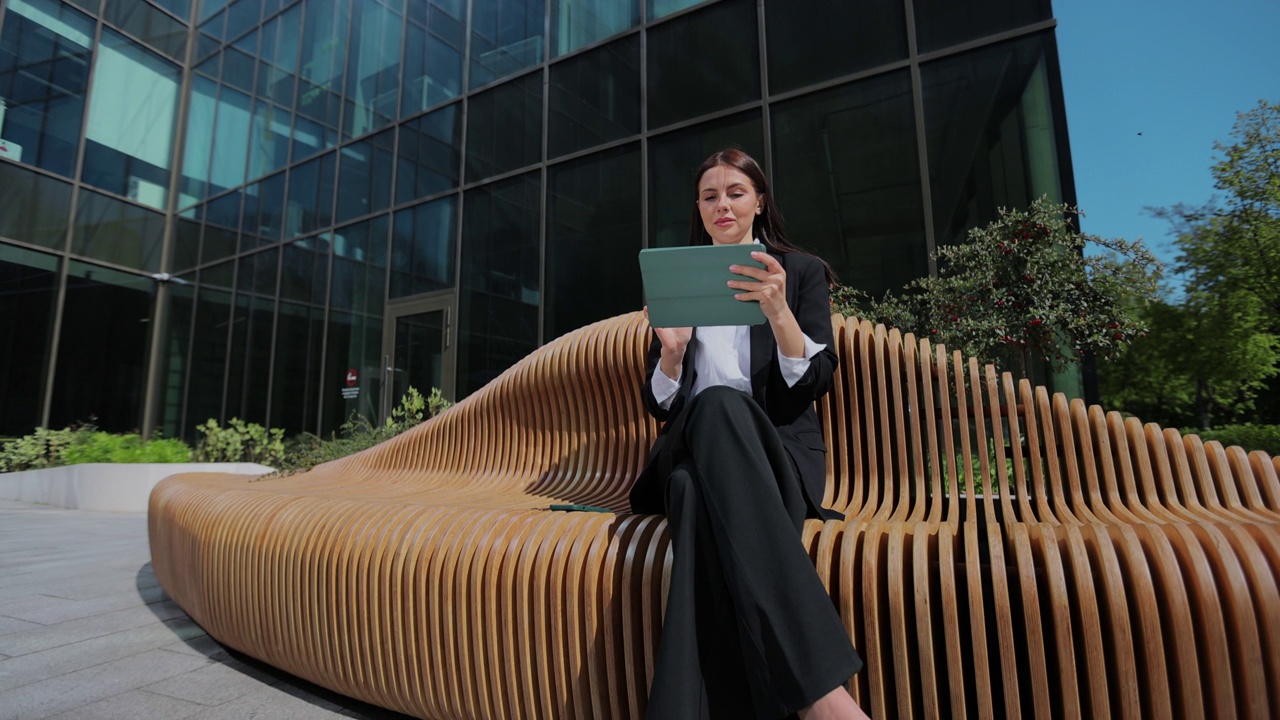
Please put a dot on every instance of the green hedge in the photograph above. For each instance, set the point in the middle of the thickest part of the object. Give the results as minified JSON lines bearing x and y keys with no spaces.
{"x":1250,"y":437}
{"x":86,"y":444}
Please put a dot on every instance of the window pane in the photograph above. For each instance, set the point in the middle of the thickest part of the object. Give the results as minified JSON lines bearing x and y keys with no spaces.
{"x":506,"y":37}
{"x":148,"y":25}
{"x":30,"y":280}
{"x":847,"y":179}
{"x":304,"y":274}
{"x":186,"y":244}
{"x":422,"y":247}
{"x":231,"y":139}
{"x":499,"y":294}
{"x":263,"y":212}
{"x":296,"y":381}
{"x":675,"y":157}
{"x":595,"y":97}
{"x":278,"y":60}
{"x":33,"y":208}
{"x":208,"y":363}
{"x":181,"y":8}
{"x":373,"y":66}
{"x":241,"y":16}
{"x":504,"y":128}
{"x":991,"y":149}
{"x":429,"y":159}
{"x":433,"y":51}
{"x":578,"y":23}
{"x":727,"y":69}
{"x":320,"y":85}
{"x":117,"y":232}
{"x":222,"y":218}
{"x":940,"y":23}
{"x":251,"y":335}
{"x":102,"y":350}
{"x":44,"y":70}
{"x":177,"y":339}
{"x":193,"y":186}
{"x":804,"y":49}
{"x":238,"y":69}
{"x":663,"y":8}
{"x":129,"y":136}
{"x":593,"y":221}
{"x":364,"y":180}
{"x":359,"y":280}
{"x":269,"y":146}
{"x":310,"y":205}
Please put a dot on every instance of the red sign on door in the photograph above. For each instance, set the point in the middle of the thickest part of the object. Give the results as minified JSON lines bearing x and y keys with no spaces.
{"x":352,"y":378}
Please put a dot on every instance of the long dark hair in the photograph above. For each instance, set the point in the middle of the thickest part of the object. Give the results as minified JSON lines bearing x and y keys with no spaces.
{"x":768,"y":224}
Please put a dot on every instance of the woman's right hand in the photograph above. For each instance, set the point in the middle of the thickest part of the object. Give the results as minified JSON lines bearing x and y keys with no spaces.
{"x":674,"y":341}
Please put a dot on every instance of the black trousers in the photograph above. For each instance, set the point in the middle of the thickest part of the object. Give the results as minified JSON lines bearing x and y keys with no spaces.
{"x":750,"y":632}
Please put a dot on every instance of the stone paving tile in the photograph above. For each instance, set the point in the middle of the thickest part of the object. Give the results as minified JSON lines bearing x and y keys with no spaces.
{"x":50,"y":610}
{"x":13,"y":625}
{"x":270,"y":702}
{"x":132,"y":705}
{"x":72,"y":690}
{"x":213,"y":684}
{"x":44,"y":637}
{"x":25,"y":669}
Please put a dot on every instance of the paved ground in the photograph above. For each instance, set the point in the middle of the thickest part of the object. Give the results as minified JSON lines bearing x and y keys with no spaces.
{"x":87,"y":633}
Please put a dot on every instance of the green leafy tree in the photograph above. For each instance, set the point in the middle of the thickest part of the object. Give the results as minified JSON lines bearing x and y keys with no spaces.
{"x":1023,"y":289}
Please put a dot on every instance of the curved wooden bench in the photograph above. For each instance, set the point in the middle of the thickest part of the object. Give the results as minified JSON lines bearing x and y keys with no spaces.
{"x":1007,"y":552}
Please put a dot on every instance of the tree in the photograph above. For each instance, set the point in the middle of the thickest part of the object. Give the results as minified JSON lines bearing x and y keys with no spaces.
{"x":1226,"y":342}
{"x":1022,"y":288}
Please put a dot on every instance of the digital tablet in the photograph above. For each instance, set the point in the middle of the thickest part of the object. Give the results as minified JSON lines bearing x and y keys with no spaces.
{"x":687,"y":286}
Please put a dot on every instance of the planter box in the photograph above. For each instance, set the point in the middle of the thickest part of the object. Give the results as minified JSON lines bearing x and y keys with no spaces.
{"x":112,"y":487}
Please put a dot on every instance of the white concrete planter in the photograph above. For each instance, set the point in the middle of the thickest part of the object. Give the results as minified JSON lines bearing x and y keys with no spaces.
{"x":112,"y":487}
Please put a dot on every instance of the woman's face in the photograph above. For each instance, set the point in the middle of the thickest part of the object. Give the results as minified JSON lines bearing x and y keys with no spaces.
{"x":728,"y":204}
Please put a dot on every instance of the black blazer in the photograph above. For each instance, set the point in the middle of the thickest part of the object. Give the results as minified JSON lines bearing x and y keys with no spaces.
{"x":790,"y":408}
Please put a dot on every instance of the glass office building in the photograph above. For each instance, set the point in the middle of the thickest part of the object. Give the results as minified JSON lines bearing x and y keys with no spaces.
{"x":287,"y":211}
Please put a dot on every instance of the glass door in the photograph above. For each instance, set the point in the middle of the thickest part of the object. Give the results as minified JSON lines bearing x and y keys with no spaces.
{"x":417,"y":349}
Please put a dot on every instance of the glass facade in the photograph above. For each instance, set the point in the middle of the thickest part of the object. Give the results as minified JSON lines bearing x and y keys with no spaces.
{"x":235,"y":208}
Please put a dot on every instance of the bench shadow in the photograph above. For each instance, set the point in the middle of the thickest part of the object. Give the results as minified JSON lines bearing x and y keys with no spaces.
{"x":154,"y":597}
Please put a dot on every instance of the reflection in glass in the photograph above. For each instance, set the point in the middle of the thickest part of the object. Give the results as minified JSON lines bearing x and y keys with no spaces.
{"x":241,"y":16}
{"x":593,"y":221}
{"x":148,"y":25}
{"x":373,"y":66}
{"x":238,"y":68}
{"x":230,"y":142}
{"x":44,"y":70}
{"x":940,"y":23}
{"x":117,"y":232}
{"x":269,"y":139}
{"x":499,"y":291}
{"x":263,"y":212}
{"x":359,"y":281}
{"x":193,"y":186}
{"x":296,"y":374}
{"x":222,"y":216}
{"x":129,"y":135}
{"x":506,"y":37}
{"x":504,"y":128}
{"x":989,"y":119}
{"x":176,"y":344}
{"x":419,"y":354}
{"x":208,"y":364}
{"x":251,"y":334}
{"x":847,"y":38}
{"x":310,"y":205}
{"x":663,"y":8}
{"x":320,"y":82}
{"x":33,"y":208}
{"x":727,"y":70}
{"x":422,"y":247}
{"x":578,"y":23}
{"x":278,"y":59}
{"x":30,"y":282}
{"x":674,"y":157}
{"x":847,"y":178}
{"x":102,"y":349}
{"x":595,"y":97}
{"x":364,"y":178}
{"x":304,"y":273}
{"x":186,"y":244}
{"x":429,"y":159}
{"x":433,"y":48}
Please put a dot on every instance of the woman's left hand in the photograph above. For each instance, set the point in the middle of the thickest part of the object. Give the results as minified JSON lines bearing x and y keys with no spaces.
{"x":769,"y":288}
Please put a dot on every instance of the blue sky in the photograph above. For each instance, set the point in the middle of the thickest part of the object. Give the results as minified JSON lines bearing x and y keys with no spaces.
{"x":1176,"y":71}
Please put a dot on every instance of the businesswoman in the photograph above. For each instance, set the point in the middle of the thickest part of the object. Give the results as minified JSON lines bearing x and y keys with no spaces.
{"x":738,"y":465}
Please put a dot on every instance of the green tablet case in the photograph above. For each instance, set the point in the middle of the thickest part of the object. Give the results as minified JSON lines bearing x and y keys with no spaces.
{"x":686,"y":286}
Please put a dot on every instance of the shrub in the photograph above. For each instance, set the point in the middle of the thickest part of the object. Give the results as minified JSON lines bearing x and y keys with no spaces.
{"x":103,"y":447}
{"x":1248,"y":436}
{"x":358,"y":433}
{"x":240,"y":442}
{"x":41,"y":449}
